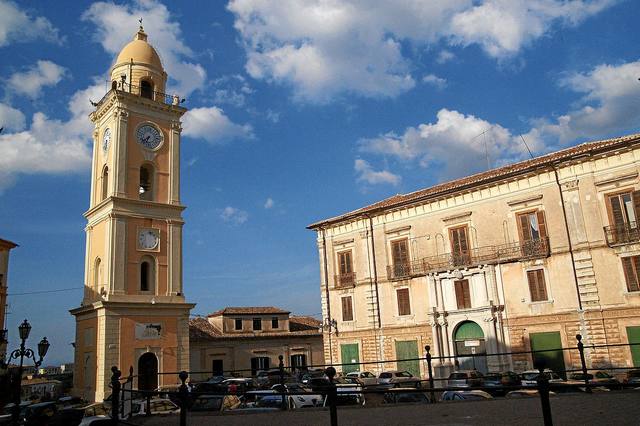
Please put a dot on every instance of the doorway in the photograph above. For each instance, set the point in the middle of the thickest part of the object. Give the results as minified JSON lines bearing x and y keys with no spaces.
{"x":217,"y":367}
{"x":408,"y":351}
{"x":148,"y":371}
{"x":349,"y":354}
{"x":470,"y":347}
{"x":553,"y":359}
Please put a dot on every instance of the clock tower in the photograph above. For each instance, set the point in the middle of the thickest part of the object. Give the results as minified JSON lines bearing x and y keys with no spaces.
{"x":133,"y":313}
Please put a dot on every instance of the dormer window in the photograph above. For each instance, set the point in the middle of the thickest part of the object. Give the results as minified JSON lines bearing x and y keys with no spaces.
{"x":146,"y":182}
{"x":146,"y":89}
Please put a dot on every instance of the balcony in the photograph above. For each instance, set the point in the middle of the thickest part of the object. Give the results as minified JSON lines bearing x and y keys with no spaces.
{"x":143,"y":92}
{"x":487,"y":255}
{"x":620,"y":234}
{"x":347,"y":280}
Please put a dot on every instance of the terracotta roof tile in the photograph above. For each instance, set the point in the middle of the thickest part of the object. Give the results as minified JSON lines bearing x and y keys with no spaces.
{"x":201,"y":329}
{"x":248,"y":310}
{"x":588,"y":148}
{"x":303,"y":322}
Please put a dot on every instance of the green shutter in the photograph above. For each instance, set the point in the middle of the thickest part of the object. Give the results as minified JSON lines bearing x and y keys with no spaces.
{"x":468,"y":330}
{"x":408,"y":350}
{"x":633,"y":334}
{"x":349,"y":355}
{"x":551,"y":359}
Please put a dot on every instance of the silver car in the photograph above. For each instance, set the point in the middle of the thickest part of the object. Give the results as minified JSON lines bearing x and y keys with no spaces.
{"x":365,"y":378}
{"x":398,"y":378}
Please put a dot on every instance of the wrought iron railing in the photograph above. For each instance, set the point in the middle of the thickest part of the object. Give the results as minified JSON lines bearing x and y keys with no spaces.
{"x":504,"y":253}
{"x":624,"y":233}
{"x":144,"y":92}
{"x":345,"y":280}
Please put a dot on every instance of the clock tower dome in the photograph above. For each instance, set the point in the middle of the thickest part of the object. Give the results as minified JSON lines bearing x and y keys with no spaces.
{"x":134,"y":312}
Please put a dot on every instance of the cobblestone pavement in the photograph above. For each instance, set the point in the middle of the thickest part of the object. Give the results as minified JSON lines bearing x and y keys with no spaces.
{"x":619,"y":408}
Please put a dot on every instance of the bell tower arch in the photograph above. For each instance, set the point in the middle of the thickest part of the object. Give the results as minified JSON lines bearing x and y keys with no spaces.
{"x":134,"y":297}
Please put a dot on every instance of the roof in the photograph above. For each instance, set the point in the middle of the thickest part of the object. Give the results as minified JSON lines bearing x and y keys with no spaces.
{"x":299,"y":326}
{"x":248,"y":310}
{"x":519,"y":168}
{"x":140,"y":51}
{"x":7,"y":244}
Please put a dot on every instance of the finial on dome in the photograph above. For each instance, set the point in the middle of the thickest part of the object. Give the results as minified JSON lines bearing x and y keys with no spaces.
{"x":141,"y":35}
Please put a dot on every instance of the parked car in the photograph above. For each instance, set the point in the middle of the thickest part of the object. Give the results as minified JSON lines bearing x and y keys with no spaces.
{"x":405,"y":395}
{"x":465,"y":379}
{"x":48,"y":413}
{"x":507,"y":378}
{"x":157,"y":406}
{"x":465,"y":395}
{"x":398,"y":378}
{"x":310,"y":374}
{"x":633,"y":377}
{"x":211,"y":403}
{"x":365,"y":378}
{"x":213,"y":384}
{"x":93,"y":412}
{"x":530,"y":377}
{"x":303,"y":396}
{"x":602,"y":380}
{"x":242,"y":384}
{"x":268,"y":378}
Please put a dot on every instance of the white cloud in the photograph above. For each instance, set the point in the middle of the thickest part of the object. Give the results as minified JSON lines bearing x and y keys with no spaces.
{"x":212,"y":125}
{"x":50,"y":146}
{"x":31,"y":81}
{"x":434,"y":80}
{"x":17,"y":26}
{"x":324,"y":48}
{"x":366,"y":174}
{"x":456,"y":143}
{"x":232,"y":90}
{"x":503,"y":27}
{"x":116,"y":25}
{"x":234,"y":215}
{"x":269,"y":203}
{"x":11,"y":119}
{"x":444,"y":56}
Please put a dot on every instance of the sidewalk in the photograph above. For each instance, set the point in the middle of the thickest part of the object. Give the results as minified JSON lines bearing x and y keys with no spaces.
{"x":619,"y":408}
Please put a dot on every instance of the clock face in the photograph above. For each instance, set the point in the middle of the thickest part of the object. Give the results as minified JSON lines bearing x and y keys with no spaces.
{"x":148,"y":136}
{"x":106,"y":140}
{"x":148,"y":239}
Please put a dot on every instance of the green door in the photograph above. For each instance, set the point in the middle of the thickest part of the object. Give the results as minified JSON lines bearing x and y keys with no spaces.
{"x":551,"y":359}
{"x":350,"y":355}
{"x":408,"y":350}
{"x":633,"y":334}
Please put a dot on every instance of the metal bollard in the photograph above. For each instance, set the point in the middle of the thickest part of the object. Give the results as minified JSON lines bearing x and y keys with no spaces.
{"x":332,"y":396}
{"x":583,"y":362}
{"x":283,"y":404}
{"x":427,"y":348}
{"x":184,"y":398}
{"x":115,"y":396}
{"x":543,"y":390}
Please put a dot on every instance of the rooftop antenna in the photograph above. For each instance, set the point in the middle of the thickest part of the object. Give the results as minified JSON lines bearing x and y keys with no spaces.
{"x":527,"y":146}
{"x":486,"y":150}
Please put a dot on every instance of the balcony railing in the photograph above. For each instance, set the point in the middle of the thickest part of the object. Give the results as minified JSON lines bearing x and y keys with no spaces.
{"x":345,"y":280}
{"x":144,"y":92}
{"x":619,"y":234}
{"x":487,"y":255}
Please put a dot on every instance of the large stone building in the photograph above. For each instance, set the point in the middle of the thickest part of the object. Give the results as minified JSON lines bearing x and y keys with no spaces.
{"x":245,"y":340}
{"x":133,"y":312}
{"x":5,"y":247}
{"x":517,"y":258}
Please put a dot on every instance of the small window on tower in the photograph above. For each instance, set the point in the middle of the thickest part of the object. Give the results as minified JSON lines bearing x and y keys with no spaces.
{"x":105,"y":182}
{"x":147,"y":274}
{"x":146,"y":89}
{"x":146,"y":182}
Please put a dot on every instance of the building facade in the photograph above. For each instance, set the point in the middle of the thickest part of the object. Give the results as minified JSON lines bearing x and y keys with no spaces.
{"x":5,"y":247}
{"x":133,"y":313}
{"x":518,"y":258}
{"x":244,"y":340}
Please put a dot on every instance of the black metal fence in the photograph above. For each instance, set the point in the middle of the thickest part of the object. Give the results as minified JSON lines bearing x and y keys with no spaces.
{"x":184,"y":395}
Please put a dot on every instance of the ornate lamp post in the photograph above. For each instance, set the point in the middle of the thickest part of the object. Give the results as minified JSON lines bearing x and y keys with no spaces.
{"x":23,"y":352}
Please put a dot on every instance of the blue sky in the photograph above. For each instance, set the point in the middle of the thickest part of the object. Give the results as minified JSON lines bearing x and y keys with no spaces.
{"x":299,"y":110}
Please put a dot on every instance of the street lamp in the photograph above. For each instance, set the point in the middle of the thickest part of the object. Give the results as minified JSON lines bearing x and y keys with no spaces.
{"x":23,"y":352}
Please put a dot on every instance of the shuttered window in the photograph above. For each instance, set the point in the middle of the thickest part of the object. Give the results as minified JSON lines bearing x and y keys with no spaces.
{"x":400,"y":252}
{"x":532,"y":226}
{"x":537,"y":286}
{"x":404,"y":306}
{"x":624,"y":208}
{"x":345,"y":262}
{"x":459,"y":240}
{"x":631,"y":267}
{"x":347,"y":309}
{"x":463,"y":294}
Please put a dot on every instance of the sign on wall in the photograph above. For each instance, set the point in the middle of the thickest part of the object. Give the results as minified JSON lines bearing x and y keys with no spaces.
{"x":148,"y":331}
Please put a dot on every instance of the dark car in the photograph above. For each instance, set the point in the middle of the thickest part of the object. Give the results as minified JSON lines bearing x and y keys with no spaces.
{"x":405,"y":395}
{"x":600,"y":378}
{"x":465,"y":379}
{"x":497,"y":380}
{"x":47,"y":413}
{"x":633,"y":377}
{"x":207,"y":403}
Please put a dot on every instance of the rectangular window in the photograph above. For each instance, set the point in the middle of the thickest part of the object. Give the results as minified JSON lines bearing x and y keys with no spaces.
{"x":623,"y":209}
{"x":238,"y":324}
{"x":631,"y":267}
{"x":463,"y":294}
{"x":537,"y":286}
{"x":345,"y":262}
{"x":257,"y":323}
{"x":347,"y":309}
{"x":459,"y":238}
{"x":400,"y":258}
{"x":274,"y":322}
{"x":404,"y":306}
{"x":260,"y":363}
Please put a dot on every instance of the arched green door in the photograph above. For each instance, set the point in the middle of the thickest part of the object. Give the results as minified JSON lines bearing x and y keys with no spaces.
{"x":470,"y":347}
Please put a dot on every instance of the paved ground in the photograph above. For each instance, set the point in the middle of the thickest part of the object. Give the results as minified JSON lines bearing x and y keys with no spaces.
{"x":619,"y":408}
